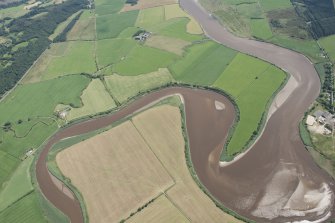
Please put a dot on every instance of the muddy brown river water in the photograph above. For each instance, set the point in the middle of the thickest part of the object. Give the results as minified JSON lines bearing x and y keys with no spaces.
{"x":276,"y":180}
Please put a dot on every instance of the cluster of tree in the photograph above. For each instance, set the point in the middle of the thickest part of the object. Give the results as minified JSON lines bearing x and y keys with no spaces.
{"x":319,"y":15}
{"x":326,"y":96}
{"x":62,"y":36}
{"x":26,"y":28}
{"x":131,"y":2}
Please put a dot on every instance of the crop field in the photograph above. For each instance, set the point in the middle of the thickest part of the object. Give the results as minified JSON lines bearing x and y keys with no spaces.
{"x":252,"y":88}
{"x":78,"y":58}
{"x":84,"y":29}
{"x":95,"y":99}
{"x":174,"y":11}
{"x":18,"y":186}
{"x":168,"y":145}
{"x":203,"y":63}
{"x":328,"y":43}
{"x":143,"y":60}
{"x":111,"y":51}
{"x":116,"y":168}
{"x":162,"y":210}
{"x":110,"y":26}
{"x":26,"y":210}
{"x":124,"y":87}
{"x":144,"y":4}
{"x":172,"y":45}
{"x":147,"y":18}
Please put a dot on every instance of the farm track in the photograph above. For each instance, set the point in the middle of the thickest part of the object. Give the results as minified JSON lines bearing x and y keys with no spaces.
{"x":273,"y":180}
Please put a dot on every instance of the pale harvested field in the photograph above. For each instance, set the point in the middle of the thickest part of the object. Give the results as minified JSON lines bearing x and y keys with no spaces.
{"x":123,"y":87}
{"x":174,"y":11}
{"x":169,"y":44}
{"x":38,"y":69}
{"x":162,"y":210}
{"x":168,"y":144}
{"x":95,"y":99}
{"x":116,"y":172}
{"x":144,"y":4}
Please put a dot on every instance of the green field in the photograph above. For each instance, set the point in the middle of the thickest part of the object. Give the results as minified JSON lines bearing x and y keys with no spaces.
{"x":8,"y":165}
{"x":143,"y":60}
{"x":13,"y":12}
{"x":260,"y":29}
{"x":110,"y":26}
{"x":176,"y":28}
{"x":78,"y":58}
{"x":269,"y":5}
{"x":62,"y":26}
{"x":84,"y":29}
{"x":95,"y":99}
{"x":149,"y":18}
{"x":124,"y":87}
{"x":252,"y":83}
{"x":105,"y":7}
{"x":26,"y":210}
{"x":111,"y":51}
{"x":18,"y":186}
{"x":203,"y":63}
{"x":328,"y":43}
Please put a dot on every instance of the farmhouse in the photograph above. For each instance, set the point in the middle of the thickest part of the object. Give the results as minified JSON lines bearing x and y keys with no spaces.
{"x":142,"y":36}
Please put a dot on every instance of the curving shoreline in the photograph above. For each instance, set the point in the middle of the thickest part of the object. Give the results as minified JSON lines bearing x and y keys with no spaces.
{"x":277,"y":172}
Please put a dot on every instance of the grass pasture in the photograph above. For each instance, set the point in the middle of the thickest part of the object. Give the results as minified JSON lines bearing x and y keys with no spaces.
{"x":62,"y":26}
{"x":251,"y":82}
{"x":174,"y":11}
{"x":78,"y":58}
{"x":84,"y":29}
{"x":145,"y":4}
{"x":328,"y":43}
{"x":116,"y":168}
{"x":203,"y":63}
{"x":150,"y":17}
{"x":269,"y":5}
{"x":124,"y":87}
{"x":18,"y":186}
{"x":260,"y":29}
{"x":111,"y":51}
{"x":26,"y":210}
{"x":95,"y":99}
{"x":110,"y":26}
{"x":169,"y":44}
{"x":176,"y":28}
{"x":142,"y":60}
{"x":8,"y":165}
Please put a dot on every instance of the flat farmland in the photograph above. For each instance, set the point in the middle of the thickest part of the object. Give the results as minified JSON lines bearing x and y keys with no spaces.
{"x":117,"y":168}
{"x":124,"y":87}
{"x":269,"y":5}
{"x":95,"y":99}
{"x":111,"y":51}
{"x":250,"y":82}
{"x":110,"y":26}
{"x":144,"y":4}
{"x":143,"y":60}
{"x":203,"y":63}
{"x":162,"y":210}
{"x":84,"y":29}
{"x":328,"y":43}
{"x":150,"y":17}
{"x":168,"y":145}
{"x":172,"y":45}
{"x":174,"y":11}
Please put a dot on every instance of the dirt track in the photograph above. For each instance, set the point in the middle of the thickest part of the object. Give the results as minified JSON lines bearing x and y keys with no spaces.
{"x":276,"y":180}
